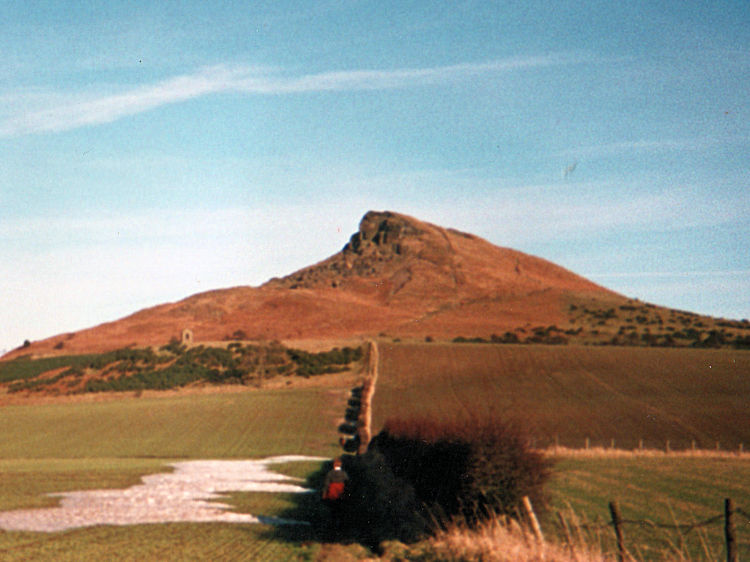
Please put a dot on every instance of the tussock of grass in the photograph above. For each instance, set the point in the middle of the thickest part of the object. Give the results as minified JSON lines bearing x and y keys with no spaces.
{"x":500,"y":540}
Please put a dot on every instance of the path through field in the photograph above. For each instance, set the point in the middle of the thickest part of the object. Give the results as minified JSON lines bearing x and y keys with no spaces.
{"x":183,"y":495}
{"x":368,"y":391}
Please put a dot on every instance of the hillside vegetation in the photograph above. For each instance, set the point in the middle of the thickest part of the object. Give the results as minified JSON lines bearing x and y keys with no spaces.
{"x":570,"y":394}
{"x":630,"y":323}
{"x":173,"y":365}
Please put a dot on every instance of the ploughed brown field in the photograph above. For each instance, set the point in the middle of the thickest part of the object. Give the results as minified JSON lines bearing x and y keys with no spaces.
{"x":570,"y":393}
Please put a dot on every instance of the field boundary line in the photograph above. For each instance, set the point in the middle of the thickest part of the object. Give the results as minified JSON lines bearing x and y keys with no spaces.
{"x":368,"y":390}
{"x":594,"y":452}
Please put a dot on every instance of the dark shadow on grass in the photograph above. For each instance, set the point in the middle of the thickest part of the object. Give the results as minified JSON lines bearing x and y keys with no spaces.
{"x":377,"y":507}
{"x":308,"y":509}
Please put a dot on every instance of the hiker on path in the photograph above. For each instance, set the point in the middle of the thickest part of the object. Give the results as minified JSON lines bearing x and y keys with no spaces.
{"x":334,"y":492}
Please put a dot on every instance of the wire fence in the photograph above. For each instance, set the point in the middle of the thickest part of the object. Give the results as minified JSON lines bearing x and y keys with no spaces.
{"x":636,"y":445}
{"x":617,"y":522}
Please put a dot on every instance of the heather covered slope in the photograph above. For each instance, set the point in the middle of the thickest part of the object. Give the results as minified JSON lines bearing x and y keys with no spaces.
{"x":396,"y":276}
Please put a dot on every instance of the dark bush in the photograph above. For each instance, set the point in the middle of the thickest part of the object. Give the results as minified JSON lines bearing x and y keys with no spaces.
{"x":465,"y":468}
{"x":174,"y":347}
{"x":379,"y":506}
{"x":333,"y":361}
{"x":463,"y":339}
{"x":416,"y":474}
{"x":507,"y":337}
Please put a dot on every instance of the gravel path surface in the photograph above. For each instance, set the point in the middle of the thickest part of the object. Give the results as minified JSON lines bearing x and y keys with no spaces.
{"x":179,"y":496}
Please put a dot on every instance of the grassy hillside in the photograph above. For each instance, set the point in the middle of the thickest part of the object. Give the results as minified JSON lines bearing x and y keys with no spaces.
{"x":571,"y":393}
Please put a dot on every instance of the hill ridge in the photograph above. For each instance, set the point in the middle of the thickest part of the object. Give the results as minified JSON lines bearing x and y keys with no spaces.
{"x":395,"y":276}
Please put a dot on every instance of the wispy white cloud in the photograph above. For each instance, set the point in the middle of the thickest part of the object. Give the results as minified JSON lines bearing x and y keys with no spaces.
{"x":61,"y":116}
{"x":105,"y":109}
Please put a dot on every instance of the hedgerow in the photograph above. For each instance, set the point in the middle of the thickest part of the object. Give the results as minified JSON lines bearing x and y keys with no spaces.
{"x":418,"y":474}
{"x":465,"y":467}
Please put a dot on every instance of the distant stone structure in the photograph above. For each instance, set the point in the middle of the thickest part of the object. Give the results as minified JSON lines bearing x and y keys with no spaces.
{"x":187,"y":337}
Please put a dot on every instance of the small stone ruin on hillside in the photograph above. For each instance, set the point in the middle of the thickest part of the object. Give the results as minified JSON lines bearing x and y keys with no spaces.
{"x":187,"y":337}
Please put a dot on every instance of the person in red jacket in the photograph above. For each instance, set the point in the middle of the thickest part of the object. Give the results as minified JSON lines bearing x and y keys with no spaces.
{"x":334,"y":492}
{"x":334,"y":486}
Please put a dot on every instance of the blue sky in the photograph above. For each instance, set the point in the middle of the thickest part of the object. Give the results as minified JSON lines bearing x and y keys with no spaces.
{"x":150,"y":151}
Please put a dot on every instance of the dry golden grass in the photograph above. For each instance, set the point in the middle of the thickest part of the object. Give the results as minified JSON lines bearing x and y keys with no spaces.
{"x":505,"y":541}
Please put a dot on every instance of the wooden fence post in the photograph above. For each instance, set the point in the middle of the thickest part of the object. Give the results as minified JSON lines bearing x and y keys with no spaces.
{"x":532,"y":518}
{"x":729,"y":531}
{"x":617,"y":523}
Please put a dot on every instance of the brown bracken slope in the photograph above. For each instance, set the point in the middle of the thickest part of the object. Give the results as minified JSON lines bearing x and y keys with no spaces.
{"x":396,"y":276}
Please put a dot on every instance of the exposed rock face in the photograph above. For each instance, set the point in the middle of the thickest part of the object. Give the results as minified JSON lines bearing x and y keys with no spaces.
{"x":383,"y":233}
{"x":386,"y":246}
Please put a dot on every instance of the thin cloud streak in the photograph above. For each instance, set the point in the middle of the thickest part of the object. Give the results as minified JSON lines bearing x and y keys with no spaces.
{"x":110,"y":108}
{"x":254,"y":81}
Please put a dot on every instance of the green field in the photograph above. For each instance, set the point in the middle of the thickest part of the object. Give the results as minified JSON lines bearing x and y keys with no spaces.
{"x":231,"y":425}
{"x":660,"y":489}
{"x":571,"y":393}
{"x":76,"y":446}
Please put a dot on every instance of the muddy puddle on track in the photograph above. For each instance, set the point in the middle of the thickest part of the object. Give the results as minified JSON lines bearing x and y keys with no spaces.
{"x":183,"y":495}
